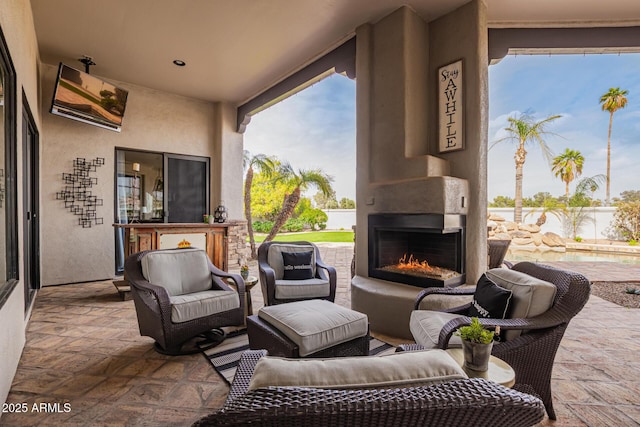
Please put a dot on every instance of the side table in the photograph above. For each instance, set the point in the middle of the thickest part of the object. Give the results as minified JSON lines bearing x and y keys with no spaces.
{"x":249,"y":283}
{"x":499,"y":371}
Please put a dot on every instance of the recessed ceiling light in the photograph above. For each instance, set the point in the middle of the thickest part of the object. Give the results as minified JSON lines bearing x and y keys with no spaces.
{"x":179,"y":62}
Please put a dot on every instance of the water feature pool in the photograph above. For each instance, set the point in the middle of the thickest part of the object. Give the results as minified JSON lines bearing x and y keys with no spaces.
{"x":535,"y":256}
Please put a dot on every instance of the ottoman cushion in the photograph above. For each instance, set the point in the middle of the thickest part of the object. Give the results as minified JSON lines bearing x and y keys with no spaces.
{"x":315,"y":325}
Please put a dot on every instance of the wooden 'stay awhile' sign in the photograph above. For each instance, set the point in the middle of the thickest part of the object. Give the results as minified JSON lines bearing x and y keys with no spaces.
{"x":450,"y":108}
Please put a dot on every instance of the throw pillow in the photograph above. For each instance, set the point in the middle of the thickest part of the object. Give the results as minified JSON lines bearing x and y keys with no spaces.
{"x":297,"y":265}
{"x":490,"y":300}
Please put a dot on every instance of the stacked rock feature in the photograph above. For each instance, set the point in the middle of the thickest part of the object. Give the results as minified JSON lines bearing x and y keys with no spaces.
{"x":523,"y":236}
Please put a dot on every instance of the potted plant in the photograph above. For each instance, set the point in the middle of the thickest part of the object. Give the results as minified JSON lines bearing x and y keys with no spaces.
{"x":477,"y":343}
{"x":244,"y":271}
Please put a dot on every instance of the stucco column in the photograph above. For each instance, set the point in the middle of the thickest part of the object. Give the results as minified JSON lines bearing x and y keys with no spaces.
{"x":462,"y":34}
{"x":226,"y":170}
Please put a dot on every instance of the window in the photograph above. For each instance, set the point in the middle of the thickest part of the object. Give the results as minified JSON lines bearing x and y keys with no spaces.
{"x":158,"y":187}
{"x":140,"y":186}
{"x":8,"y":188}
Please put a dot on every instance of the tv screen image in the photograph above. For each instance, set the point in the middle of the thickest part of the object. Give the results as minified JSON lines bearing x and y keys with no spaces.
{"x":83,"y":97}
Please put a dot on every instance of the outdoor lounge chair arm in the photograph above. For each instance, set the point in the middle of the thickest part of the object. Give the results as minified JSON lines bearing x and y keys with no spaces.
{"x":441,"y":291}
{"x":544,"y":321}
{"x":217,"y":275}
{"x":270,"y":273}
{"x":329,"y":269}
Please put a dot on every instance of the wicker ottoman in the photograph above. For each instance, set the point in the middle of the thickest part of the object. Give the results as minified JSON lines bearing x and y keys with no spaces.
{"x":311,"y":328}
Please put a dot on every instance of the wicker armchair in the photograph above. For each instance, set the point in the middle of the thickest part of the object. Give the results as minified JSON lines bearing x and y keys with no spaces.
{"x":155,"y":302}
{"x":467,"y":402}
{"x":532,"y":354}
{"x":278,"y":291}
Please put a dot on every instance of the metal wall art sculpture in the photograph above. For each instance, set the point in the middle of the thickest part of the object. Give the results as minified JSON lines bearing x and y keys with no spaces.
{"x":76,"y":194}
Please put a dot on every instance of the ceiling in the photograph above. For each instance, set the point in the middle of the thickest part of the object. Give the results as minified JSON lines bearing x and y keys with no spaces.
{"x":235,"y":49}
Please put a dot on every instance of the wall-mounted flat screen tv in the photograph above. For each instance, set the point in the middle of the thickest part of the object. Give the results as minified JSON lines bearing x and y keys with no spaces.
{"x":83,"y":97}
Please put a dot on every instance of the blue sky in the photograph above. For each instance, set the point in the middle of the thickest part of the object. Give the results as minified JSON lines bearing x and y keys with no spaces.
{"x":316,"y":127}
{"x":569,"y":85}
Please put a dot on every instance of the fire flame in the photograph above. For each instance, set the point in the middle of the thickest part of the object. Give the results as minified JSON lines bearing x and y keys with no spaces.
{"x":414,"y":267}
{"x":413,"y":264}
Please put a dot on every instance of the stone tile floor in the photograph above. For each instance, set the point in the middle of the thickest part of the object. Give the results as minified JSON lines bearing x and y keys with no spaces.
{"x":83,"y":348}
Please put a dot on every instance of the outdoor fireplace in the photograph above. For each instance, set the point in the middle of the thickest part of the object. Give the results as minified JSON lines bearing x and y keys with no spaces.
{"x":417,"y":249}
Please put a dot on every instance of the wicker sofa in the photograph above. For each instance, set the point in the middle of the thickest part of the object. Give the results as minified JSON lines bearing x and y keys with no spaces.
{"x":459,"y":402}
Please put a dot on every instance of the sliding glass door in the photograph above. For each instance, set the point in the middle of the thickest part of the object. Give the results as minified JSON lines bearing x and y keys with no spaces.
{"x":158,"y":187}
{"x":187,"y":188}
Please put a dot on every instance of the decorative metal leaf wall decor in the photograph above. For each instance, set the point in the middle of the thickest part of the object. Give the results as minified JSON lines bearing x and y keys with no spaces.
{"x":76,"y":194}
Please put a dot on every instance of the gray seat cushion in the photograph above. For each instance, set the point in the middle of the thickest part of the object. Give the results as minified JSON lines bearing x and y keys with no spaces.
{"x":425,"y":326}
{"x":315,"y":325}
{"x":179,"y":271}
{"x":200,"y":304}
{"x":298,"y":289}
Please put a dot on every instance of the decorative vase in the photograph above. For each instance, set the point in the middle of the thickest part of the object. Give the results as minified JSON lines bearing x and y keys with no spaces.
{"x":220,"y":214}
{"x":476,"y":355}
{"x":244,"y":274}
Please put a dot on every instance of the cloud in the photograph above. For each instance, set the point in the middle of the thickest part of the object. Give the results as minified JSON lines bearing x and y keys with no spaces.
{"x":314,"y":129}
{"x":572,"y":85}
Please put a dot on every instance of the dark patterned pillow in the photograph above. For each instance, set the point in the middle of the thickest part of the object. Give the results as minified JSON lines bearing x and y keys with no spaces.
{"x":297,"y":265}
{"x":490,"y":300}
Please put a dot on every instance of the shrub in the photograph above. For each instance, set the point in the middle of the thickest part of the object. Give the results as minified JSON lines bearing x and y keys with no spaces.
{"x":633,"y":242}
{"x":262,"y":226}
{"x":626,"y":220}
{"x":293,"y":224}
{"x":314,"y":218}
{"x":578,"y":239}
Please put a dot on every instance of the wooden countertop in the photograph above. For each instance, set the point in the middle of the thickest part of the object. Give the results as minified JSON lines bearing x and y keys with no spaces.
{"x":176,"y":225}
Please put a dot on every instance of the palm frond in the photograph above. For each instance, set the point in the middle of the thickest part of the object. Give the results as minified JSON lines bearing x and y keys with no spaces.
{"x":590,"y":184}
{"x":316,"y":178}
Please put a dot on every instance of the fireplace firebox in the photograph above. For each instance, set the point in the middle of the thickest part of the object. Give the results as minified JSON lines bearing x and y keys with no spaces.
{"x":417,"y":249}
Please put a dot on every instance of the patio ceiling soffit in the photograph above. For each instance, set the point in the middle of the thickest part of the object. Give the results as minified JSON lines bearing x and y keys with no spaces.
{"x":341,"y":60}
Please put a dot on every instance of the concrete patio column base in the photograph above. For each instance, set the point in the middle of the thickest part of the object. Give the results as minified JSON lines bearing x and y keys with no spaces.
{"x":387,"y":304}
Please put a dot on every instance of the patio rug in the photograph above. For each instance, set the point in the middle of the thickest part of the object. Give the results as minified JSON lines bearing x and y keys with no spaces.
{"x":225,"y":357}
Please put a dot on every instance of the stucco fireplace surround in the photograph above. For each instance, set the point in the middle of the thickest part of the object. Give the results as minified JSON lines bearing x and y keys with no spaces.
{"x":427,"y":215}
{"x":400,"y":169}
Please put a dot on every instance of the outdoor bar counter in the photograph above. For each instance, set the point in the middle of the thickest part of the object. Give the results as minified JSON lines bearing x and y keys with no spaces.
{"x":213,"y":238}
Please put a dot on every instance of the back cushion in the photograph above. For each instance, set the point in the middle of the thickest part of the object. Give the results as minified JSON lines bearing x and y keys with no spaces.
{"x":404,"y":369}
{"x":490,"y":300}
{"x":274,"y":257}
{"x":530,"y":295}
{"x":297,"y":265}
{"x":179,"y":271}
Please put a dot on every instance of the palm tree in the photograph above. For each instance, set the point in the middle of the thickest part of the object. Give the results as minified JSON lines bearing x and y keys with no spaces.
{"x":576,"y":216}
{"x":250,"y":163}
{"x":568,"y":166}
{"x":612,"y":101}
{"x":524,"y":129}
{"x":299,"y":181}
